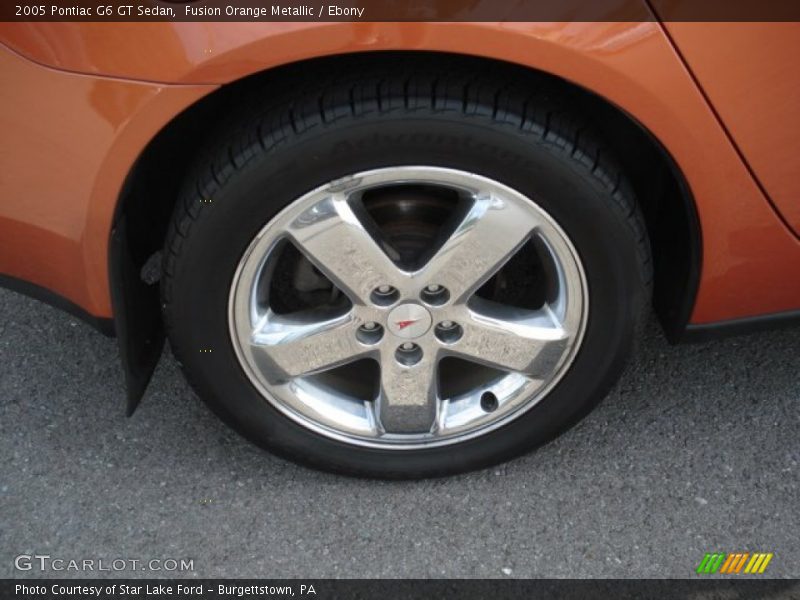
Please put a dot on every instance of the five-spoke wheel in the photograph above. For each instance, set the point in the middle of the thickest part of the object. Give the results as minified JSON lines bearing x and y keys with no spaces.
{"x":409,"y":315}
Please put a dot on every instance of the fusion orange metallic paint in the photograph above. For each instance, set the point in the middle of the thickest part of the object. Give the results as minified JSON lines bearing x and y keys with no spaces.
{"x":80,"y":101}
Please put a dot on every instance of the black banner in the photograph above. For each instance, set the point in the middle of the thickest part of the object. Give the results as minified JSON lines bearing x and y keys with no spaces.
{"x":324,"y":589}
{"x":397,"y":10}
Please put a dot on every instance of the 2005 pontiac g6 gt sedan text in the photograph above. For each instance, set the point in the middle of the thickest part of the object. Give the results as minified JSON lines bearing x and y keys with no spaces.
{"x":401,"y":249}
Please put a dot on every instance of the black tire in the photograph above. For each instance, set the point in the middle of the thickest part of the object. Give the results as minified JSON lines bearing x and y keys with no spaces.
{"x":501,"y":124}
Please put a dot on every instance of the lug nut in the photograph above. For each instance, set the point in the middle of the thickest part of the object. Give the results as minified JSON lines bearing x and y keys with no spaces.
{"x":448,"y":332}
{"x":408,"y":354}
{"x":384,"y":295}
{"x":434,"y":294}
{"x":369,"y":333}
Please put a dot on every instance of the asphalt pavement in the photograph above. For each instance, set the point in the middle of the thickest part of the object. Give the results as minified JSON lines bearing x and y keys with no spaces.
{"x":696,"y":450}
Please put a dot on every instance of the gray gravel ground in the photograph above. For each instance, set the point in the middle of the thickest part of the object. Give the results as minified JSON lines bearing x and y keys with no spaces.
{"x":696,"y":450}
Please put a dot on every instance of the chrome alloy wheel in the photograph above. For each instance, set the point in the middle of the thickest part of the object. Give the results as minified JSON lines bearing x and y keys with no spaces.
{"x":448,"y":361}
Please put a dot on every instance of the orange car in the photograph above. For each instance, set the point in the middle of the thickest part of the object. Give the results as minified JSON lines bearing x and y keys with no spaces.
{"x":401,"y":249}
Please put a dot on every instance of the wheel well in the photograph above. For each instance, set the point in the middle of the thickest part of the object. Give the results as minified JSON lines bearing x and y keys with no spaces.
{"x":153,"y":184}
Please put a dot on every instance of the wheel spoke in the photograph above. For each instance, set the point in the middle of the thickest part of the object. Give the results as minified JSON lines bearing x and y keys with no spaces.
{"x":335,"y":239}
{"x":290,"y":348}
{"x":408,"y":395}
{"x":491,"y":232}
{"x":528,"y":342}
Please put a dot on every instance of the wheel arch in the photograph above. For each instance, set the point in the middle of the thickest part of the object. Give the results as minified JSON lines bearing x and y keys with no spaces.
{"x":151,"y":188}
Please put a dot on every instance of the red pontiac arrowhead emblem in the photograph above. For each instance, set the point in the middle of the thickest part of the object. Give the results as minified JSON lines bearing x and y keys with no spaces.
{"x":403,"y":324}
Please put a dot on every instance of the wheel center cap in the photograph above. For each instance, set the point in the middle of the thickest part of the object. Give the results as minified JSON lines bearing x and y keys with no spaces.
{"x":409,"y":321}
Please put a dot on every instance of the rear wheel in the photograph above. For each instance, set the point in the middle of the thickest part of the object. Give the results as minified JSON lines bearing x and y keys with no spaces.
{"x":379,"y":279}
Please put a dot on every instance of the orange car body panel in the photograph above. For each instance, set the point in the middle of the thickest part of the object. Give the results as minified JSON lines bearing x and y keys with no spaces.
{"x":751,"y":75}
{"x":69,"y":140}
{"x":67,"y":143}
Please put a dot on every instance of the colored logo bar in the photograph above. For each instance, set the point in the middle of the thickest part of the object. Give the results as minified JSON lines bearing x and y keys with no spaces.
{"x":734,"y":563}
